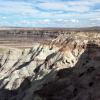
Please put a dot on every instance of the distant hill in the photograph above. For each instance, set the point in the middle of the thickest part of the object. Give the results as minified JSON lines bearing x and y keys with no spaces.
{"x":95,"y":28}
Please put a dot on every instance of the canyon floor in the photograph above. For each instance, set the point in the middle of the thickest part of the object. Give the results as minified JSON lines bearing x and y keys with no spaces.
{"x":61,"y":67}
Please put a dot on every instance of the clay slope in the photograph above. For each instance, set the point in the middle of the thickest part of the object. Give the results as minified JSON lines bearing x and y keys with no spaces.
{"x":65,"y":69}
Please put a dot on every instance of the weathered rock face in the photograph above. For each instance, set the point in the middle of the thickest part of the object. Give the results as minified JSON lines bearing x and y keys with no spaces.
{"x":81,"y":82}
{"x":65,"y":69}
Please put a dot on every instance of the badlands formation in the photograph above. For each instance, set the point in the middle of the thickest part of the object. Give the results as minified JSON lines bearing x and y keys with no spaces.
{"x":65,"y":68}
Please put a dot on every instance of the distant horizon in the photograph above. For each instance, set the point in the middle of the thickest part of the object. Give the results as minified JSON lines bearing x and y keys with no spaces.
{"x":50,"y":13}
{"x":47,"y":27}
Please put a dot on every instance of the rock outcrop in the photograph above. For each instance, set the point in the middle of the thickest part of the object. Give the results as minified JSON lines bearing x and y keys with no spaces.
{"x":65,"y":69}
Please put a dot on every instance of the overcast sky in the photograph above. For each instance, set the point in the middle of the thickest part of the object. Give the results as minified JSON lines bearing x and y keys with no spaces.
{"x":50,"y":13}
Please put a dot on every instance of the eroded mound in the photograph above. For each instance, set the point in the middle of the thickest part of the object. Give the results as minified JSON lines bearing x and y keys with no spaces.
{"x":81,"y":82}
{"x":65,"y":69}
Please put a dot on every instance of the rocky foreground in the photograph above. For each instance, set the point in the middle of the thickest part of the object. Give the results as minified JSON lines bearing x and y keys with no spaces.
{"x":67,"y":68}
